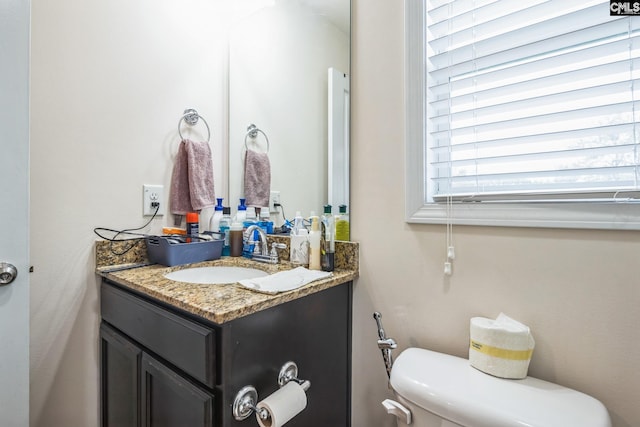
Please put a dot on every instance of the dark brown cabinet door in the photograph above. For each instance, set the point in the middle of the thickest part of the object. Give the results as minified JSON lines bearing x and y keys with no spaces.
{"x":169,"y":400}
{"x":120,"y":379}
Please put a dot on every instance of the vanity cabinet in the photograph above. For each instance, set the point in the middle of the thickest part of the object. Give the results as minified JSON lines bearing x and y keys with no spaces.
{"x":164,"y":366}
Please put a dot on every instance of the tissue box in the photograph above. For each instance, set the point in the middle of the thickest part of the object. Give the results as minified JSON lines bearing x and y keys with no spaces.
{"x":502,"y":347}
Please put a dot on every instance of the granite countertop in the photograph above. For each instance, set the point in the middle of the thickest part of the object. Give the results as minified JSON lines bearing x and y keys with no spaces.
{"x":217,"y":303}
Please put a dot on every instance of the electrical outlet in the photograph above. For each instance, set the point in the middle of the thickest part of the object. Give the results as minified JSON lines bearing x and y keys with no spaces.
{"x":274,"y":199}
{"x":152,"y":194}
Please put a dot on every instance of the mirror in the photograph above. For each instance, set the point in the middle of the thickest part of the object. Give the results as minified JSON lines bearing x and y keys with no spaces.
{"x":289,"y":75}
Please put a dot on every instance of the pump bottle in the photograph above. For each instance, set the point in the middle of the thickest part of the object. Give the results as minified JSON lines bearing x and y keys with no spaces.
{"x":314,"y":244}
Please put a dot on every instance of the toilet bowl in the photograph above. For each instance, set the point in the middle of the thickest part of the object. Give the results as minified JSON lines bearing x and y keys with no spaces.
{"x":438,"y":390}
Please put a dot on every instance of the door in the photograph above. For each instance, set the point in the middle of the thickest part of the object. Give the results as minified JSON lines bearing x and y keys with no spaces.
{"x":14,"y":211}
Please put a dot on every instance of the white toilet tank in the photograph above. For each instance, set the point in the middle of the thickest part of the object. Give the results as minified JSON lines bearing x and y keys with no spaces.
{"x":443,"y":390}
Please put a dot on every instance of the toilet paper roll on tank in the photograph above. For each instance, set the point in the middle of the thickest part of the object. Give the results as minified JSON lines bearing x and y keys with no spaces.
{"x":502,"y":347}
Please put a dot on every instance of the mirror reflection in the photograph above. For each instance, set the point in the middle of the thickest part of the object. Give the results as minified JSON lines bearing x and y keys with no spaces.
{"x":288,"y":75}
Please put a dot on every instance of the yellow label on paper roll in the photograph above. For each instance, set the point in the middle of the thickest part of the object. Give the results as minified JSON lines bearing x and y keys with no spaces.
{"x":501,"y":353}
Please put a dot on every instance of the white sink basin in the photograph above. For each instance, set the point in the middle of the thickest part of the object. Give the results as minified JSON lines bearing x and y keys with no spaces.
{"x":217,"y":275}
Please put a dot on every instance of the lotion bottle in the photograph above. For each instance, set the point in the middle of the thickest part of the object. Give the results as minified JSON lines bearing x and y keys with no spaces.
{"x":314,"y":244}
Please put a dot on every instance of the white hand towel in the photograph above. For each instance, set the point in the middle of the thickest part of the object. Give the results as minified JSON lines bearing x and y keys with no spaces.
{"x":284,"y":280}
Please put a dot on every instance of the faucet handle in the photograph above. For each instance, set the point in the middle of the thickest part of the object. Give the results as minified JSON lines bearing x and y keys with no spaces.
{"x":276,"y":245}
{"x":273,"y":255}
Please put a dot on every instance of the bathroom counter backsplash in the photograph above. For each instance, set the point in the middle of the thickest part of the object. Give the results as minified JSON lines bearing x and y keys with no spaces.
{"x":217,"y":303}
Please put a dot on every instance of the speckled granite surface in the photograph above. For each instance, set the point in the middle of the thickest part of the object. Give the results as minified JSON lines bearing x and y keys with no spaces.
{"x":217,"y":303}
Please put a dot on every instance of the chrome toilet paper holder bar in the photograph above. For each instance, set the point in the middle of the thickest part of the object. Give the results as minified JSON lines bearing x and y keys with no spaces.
{"x":246,"y":399}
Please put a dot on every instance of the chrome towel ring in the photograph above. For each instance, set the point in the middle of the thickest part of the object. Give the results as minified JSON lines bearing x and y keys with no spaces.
{"x":191,"y":118}
{"x":252,"y":131}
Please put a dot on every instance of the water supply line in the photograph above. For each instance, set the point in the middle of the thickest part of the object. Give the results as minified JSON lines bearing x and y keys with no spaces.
{"x":385,"y":344}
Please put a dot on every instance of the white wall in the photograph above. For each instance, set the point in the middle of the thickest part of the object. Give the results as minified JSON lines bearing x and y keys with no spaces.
{"x":109,"y":82}
{"x":578,"y":290}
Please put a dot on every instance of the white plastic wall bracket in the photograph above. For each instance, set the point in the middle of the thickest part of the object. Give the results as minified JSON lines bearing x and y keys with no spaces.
{"x":398,"y":410}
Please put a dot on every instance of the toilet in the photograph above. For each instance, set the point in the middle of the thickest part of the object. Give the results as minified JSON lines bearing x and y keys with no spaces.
{"x":438,"y":390}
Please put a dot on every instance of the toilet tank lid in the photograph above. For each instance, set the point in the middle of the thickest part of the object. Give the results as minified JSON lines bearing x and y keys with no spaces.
{"x":451,"y":388}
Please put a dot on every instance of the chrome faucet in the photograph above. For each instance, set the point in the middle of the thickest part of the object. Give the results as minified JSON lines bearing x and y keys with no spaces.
{"x":261,"y":251}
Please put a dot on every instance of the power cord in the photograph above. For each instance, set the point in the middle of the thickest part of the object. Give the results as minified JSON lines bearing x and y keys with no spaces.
{"x":128,"y":231}
{"x":286,"y":224}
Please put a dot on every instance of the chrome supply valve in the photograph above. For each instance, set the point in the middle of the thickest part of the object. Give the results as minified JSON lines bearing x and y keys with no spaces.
{"x":385,"y":344}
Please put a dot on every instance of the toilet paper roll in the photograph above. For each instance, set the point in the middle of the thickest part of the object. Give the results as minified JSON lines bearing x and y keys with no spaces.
{"x":283,"y":405}
{"x":502,"y":347}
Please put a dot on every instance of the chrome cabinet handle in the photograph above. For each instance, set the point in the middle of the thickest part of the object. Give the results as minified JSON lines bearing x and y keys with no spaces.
{"x":8,"y":273}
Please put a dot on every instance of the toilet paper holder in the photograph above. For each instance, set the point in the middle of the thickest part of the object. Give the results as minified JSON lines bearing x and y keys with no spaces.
{"x":246,"y":399}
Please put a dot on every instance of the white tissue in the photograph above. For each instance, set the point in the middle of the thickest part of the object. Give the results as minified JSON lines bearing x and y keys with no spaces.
{"x":283,"y":405}
{"x":500,"y":347}
{"x":284,"y":280}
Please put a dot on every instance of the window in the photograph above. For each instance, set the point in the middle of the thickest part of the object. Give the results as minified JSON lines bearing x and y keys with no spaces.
{"x":522,"y":113}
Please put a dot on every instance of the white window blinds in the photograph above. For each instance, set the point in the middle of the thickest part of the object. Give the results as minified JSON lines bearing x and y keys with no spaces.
{"x":531,"y":100}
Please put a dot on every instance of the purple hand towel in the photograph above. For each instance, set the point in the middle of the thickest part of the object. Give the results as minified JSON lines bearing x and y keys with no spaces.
{"x":257,"y":178}
{"x":192,"y":178}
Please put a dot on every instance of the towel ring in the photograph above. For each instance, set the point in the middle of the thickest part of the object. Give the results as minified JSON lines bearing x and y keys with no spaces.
{"x":191,"y":117}
{"x":252,"y":131}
